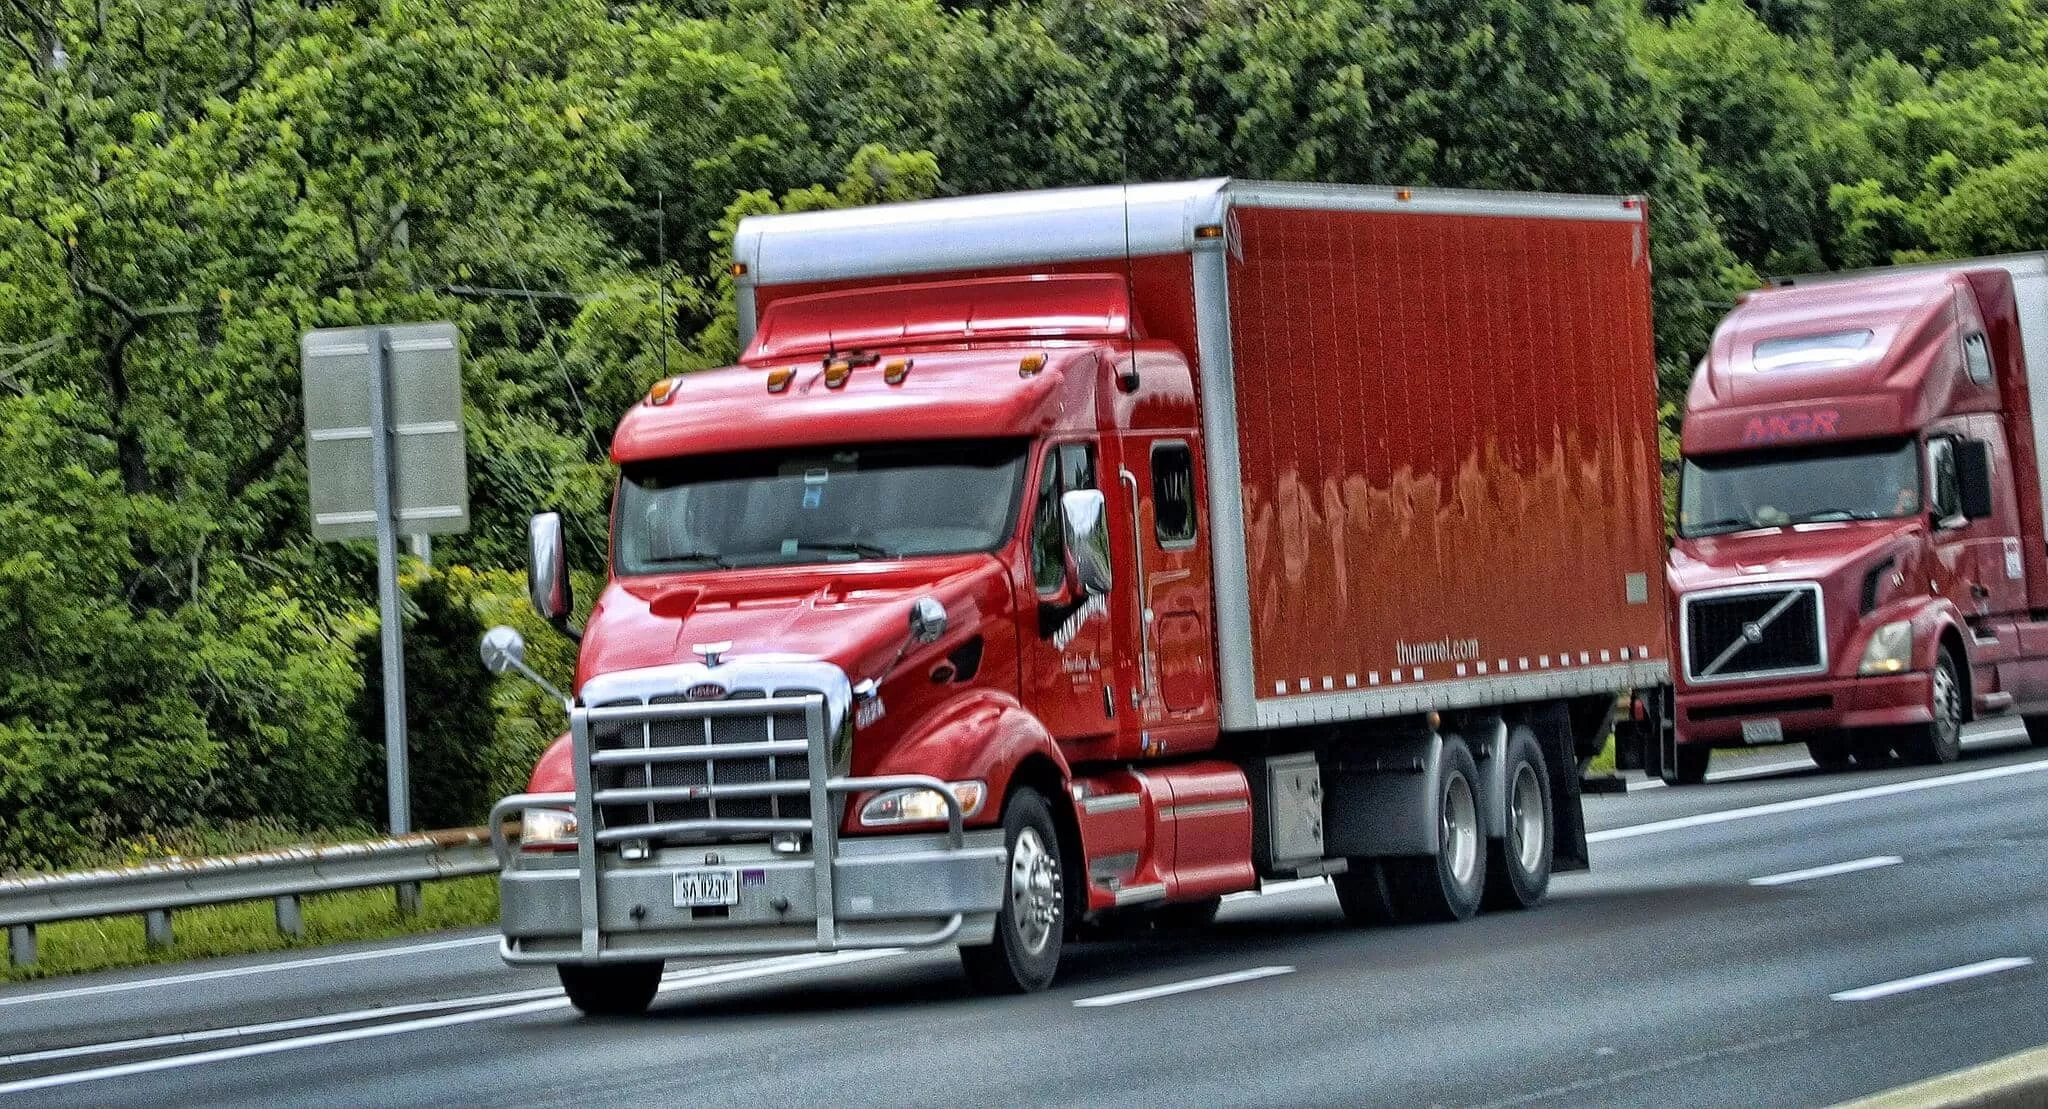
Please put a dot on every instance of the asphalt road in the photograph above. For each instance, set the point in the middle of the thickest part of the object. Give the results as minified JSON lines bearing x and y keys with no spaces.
{"x":1893,"y":938}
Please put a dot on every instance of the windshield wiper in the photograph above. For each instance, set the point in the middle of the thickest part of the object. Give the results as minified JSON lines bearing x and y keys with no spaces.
{"x":690,"y":556}
{"x":1720,"y":527}
{"x":863,"y":550}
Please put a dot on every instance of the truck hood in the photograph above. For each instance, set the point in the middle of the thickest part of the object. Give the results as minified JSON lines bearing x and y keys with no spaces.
{"x":855,"y":615}
{"x":1834,"y":554}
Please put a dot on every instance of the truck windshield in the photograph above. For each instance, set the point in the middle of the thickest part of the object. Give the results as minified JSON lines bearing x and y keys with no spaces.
{"x":1868,"y":480}
{"x":817,"y":505}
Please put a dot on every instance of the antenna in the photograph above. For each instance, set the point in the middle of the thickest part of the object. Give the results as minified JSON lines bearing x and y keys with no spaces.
{"x":661,"y":263}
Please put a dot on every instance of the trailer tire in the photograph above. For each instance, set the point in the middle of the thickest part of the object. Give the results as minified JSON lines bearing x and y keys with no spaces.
{"x":1940,"y":740}
{"x":1363,"y":894}
{"x":1691,"y":765}
{"x":1518,"y":864}
{"x":1449,"y":885}
{"x":1031,"y":924}
{"x":610,"y":989}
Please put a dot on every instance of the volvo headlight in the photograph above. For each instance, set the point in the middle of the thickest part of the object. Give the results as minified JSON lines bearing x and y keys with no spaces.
{"x":1890,"y":650}
{"x":921,"y":806}
{"x":547,"y":829}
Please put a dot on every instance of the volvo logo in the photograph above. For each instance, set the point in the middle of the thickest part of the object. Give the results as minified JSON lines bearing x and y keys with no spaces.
{"x":1754,"y":632}
{"x":705,"y":691}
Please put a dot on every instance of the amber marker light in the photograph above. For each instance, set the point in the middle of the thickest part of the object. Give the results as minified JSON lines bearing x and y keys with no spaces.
{"x":1030,"y":364}
{"x":662,"y":390}
{"x":896,"y":371}
{"x":780,"y":377}
{"x":837,"y":373}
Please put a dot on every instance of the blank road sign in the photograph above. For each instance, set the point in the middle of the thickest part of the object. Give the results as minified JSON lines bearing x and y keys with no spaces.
{"x":430,"y":487}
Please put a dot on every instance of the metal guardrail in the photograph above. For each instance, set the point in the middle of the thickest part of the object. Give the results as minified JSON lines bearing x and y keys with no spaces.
{"x":153,"y":890}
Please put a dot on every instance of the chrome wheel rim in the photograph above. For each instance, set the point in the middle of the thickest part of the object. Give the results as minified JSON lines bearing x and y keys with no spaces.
{"x":1948,"y":703}
{"x":1525,"y":818}
{"x":1460,"y":830}
{"x":1034,"y":891}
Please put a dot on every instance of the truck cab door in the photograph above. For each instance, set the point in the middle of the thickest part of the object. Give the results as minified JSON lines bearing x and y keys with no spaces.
{"x":1069,"y":655}
{"x":1981,"y":555}
{"x":1173,"y":684}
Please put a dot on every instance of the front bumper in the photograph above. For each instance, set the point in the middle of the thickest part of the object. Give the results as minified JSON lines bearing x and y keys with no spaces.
{"x":1803,"y":708}
{"x":886,"y":891}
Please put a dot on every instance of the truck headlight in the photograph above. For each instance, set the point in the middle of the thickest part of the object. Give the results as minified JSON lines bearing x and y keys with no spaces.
{"x":547,"y":829}
{"x":921,"y":806}
{"x":1890,"y":650}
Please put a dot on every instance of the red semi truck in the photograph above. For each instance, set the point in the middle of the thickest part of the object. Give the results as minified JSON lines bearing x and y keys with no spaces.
{"x":1860,"y":562}
{"x":1073,"y":558}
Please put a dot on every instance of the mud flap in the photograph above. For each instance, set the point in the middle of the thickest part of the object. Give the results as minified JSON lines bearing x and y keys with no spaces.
{"x":1552,"y":724}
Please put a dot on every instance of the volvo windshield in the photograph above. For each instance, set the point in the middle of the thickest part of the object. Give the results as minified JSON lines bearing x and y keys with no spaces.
{"x":822,"y":505}
{"x":1868,"y":480}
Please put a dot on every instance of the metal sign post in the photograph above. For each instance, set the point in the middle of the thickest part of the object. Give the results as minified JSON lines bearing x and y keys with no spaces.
{"x":384,"y":457}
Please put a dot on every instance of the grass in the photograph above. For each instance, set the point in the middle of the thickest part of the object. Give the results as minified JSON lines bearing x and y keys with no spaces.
{"x":75,"y":947}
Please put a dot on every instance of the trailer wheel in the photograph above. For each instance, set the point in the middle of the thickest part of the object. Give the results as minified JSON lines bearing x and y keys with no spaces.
{"x":1518,"y":863}
{"x":1446,"y":886}
{"x":1691,"y":768}
{"x":1940,"y":740}
{"x":1030,"y":924}
{"x":610,"y":989}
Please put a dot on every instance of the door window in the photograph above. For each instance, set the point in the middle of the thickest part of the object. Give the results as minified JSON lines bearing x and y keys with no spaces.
{"x":1068,"y":467}
{"x":1173,"y":494}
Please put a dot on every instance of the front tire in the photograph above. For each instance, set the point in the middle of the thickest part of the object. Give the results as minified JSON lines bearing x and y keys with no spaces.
{"x":1830,"y":753}
{"x":1518,"y":864}
{"x":610,"y":989}
{"x":1029,"y":927}
{"x":1449,"y":885}
{"x":1940,"y":740}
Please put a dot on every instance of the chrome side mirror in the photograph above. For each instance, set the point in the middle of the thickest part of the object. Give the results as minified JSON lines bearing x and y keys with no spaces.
{"x":1085,"y":514}
{"x":927,"y":620}
{"x":503,"y":649}
{"x":547,"y":571}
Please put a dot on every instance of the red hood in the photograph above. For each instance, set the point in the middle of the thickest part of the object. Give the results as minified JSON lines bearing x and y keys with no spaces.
{"x":855,"y":615}
{"x":1804,"y":552}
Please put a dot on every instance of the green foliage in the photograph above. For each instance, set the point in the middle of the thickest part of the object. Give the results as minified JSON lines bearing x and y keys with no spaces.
{"x":187,"y":185}
{"x":451,"y":724}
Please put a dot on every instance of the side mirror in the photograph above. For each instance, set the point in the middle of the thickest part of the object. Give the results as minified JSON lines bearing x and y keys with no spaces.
{"x":927,"y":620}
{"x":1084,"y":512}
{"x":1973,"y":478}
{"x":547,"y":570}
{"x":503,"y":649}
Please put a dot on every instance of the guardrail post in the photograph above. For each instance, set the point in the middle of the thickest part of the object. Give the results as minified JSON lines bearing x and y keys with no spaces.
{"x":156,"y":927}
{"x":21,"y":945}
{"x":408,"y":900}
{"x":289,"y":920}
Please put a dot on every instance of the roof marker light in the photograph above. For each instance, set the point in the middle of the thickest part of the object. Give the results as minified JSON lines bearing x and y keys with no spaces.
{"x":837,"y":373}
{"x":896,"y":370}
{"x":737,"y":269}
{"x":1030,"y":364}
{"x":1404,"y":194}
{"x":1209,"y":231}
{"x":780,"y":377}
{"x":661,"y":391}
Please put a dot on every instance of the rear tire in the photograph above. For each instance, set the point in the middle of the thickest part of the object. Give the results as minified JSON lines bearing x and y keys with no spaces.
{"x":610,"y":989}
{"x":1940,"y":740}
{"x":1691,"y":768}
{"x":1029,"y":927}
{"x":1830,"y":753}
{"x":1449,"y":885}
{"x":1518,"y":863}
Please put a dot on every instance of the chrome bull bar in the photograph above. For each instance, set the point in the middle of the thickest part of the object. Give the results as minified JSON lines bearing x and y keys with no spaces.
{"x":820,"y":786}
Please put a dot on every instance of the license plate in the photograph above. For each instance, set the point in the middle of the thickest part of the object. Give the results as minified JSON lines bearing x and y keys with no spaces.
{"x":1762,"y":731}
{"x":698,"y":888}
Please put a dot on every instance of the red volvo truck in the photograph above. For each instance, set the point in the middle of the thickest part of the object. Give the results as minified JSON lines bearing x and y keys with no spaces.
{"x":1076,"y":558}
{"x":1859,"y":562}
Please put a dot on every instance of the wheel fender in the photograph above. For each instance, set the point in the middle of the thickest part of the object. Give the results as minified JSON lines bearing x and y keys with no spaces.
{"x":555,"y":772}
{"x":1932,"y":618}
{"x":981,"y":734}
{"x":1488,"y":740}
{"x":1383,"y":800}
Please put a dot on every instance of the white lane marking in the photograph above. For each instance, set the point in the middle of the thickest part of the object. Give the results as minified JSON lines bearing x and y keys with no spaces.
{"x":1939,"y":977}
{"x":386,"y":1012}
{"x":1822,"y":800}
{"x":696,"y":978}
{"x":243,"y":972}
{"x":1830,"y":870}
{"x":1150,"y":992}
{"x":1271,"y":888}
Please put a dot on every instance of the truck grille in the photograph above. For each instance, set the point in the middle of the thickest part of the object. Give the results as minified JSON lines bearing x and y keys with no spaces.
{"x":1772,"y":632}
{"x":718,"y":731}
